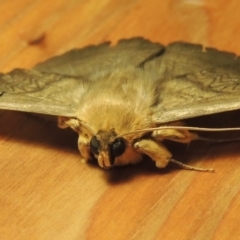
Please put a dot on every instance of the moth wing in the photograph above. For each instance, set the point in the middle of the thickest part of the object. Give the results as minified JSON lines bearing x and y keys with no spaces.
{"x":55,"y":86}
{"x":194,"y":81}
{"x":37,"y":92}
{"x":91,"y":60}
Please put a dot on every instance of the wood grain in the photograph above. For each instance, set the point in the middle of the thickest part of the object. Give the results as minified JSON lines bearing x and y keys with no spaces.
{"x":47,"y":193}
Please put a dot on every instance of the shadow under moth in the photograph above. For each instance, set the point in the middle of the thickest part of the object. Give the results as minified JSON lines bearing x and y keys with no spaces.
{"x":125,"y":101}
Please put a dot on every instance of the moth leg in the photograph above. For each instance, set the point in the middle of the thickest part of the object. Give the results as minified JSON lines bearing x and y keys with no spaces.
{"x":65,"y":122}
{"x":159,"y":153}
{"x":177,"y":135}
{"x":83,"y":139}
{"x":156,"y":151}
{"x":84,"y":148}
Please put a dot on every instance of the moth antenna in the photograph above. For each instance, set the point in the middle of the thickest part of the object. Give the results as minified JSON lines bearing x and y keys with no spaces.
{"x":146,"y":130}
{"x":217,"y":140}
{"x":188,"y":167}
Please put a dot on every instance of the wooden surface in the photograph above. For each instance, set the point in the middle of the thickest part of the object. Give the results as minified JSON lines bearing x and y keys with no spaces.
{"x":47,"y":193}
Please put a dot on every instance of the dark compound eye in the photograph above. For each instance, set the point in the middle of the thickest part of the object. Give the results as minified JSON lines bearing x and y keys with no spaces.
{"x":94,"y":145}
{"x":117,"y":148}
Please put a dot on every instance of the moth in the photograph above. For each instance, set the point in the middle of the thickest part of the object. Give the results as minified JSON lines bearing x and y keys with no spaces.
{"x":124,"y":101}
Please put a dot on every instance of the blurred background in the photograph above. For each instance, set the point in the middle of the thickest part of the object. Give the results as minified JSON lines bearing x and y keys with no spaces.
{"x":32,"y":31}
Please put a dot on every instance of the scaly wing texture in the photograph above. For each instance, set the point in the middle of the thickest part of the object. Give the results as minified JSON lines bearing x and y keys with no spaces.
{"x":91,"y":60}
{"x":195,"y":82}
{"x":37,"y":92}
{"x":55,"y":87}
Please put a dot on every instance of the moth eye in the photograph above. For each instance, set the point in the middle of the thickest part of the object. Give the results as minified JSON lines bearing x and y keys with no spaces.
{"x":94,"y":145}
{"x":118,"y":147}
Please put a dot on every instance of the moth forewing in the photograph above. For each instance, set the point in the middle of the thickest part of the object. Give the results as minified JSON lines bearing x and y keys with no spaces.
{"x":124,"y":101}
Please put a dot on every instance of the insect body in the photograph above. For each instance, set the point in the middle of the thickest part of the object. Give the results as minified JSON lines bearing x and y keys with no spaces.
{"x":125,"y":100}
{"x":105,"y":120}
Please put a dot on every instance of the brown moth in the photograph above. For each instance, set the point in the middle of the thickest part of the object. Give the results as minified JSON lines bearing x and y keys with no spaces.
{"x":123,"y":101}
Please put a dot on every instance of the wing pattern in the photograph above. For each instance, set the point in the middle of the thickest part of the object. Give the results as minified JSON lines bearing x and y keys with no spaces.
{"x":193,"y":81}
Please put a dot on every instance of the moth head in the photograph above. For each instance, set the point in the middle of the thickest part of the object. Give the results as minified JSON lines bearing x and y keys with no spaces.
{"x":104,"y":145}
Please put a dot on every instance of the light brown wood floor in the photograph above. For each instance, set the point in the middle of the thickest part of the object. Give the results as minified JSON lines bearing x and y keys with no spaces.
{"x":47,"y":193}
